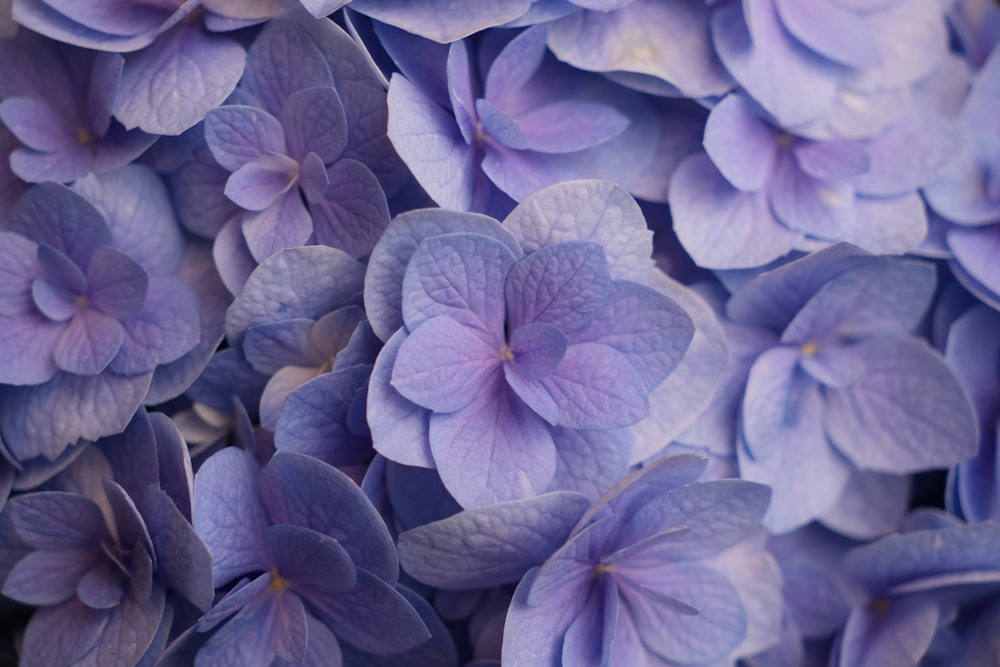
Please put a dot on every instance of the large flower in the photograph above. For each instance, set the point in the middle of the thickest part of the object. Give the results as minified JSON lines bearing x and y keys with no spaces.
{"x":522,"y":359}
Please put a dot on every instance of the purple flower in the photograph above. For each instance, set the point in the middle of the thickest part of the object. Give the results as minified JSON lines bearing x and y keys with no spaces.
{"x":758,"y":192}
{"x":92,"y":306}
{"x":57,"y":100}
{"x":805,"y":61}
{"x":481,"y":143}
{"x":661,"y":568}
{"x":914,"y":585}
{"x":161,"y":36}
{"x":520,"y":358}
{"x":319,"y":574}
{"x":306,"y":147}
{"x":101,"y":546}
{"x":832,"y":399}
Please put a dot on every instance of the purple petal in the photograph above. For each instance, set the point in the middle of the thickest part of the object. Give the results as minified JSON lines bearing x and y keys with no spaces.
{"x":831,"y":160}
{"x":37,"y":125}
{"x":564,"y":127}
{"x":89,"y":343}
{"x":49,"y":577}
{"x":564,"y":285}
{"x":459,"y":73}
{"x":165,"y":328}
{"x":19,"y":269}
{"x":460,"y":276}
{"x":183,"y":561}
{"x":443,"y":365}
{"x":311,"y":561}
{"x":314,"y":121}
{"x":492,"y":545}
{"x":975,"y":254}
{"x":677,"y":51}
{"x":258,"y":185}
{"x":791,"y":82}
{"x":296,"y":282}
{"x":430,"y":143}
{"x":834,"y":32}
{"x":102,"y":586}
{"x":27,"y":345}
{"x":515,"y":65}
{"x":438,"y":20}
{"x":228,"y":515}
{"x":116,"y":284}
{"x":493,"y":449}
{"x":54,"y":303}
{"x":590,"y":462}
{"x":313,"y":179}
{"x":892,"y":637}
{"x":596,"y":387}
{"x":43,"y":420}
{"x":912,"y":41}
{"x":289,"y":485}
{"x":373,"y":617}
{"x":285,"y":224}
{"x":54,"y":215}
{"x":651,"y":330}
{"x":160,"y":104}
{"x":117,"y":17}
{"x":821,"y":208}
{"x":399,"y":427}
{"x":131,"y":629}
{"x":871,"y":505}
{"x":138,"y":210}
{"x":388,"y":262}
{"x":499,"y":126}
{"x":719,"y":226}
{"x":62,"y":634}
{"x":282,"y":61}
{"x":353,"y":212}
{"x":533,"y":634}
{"x":238,"y":135}
{"x":908,"y":413}
{"x":741,"y":145}
{"x":601,"y":212}
{"x":537,"y":348}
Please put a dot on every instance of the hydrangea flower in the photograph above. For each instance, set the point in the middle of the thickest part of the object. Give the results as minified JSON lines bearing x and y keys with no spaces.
{"x":832,"y":398}
{"x":92,"y":306}
{"x":914,"y":584}
{"x":319,"y":574}
{"x":101,"y":546}
{"x":167,"y":35}
{"x":57,"y":101}
{"x":477,"y":142}
{"x":758,"y":192}
{"x":662,"y":569}
{"x":518,"y":352}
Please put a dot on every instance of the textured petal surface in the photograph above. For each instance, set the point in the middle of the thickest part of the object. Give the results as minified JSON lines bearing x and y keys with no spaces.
{"x":741,"y":145}
{"x":491,"y":545}
{"x":166,"y":88}
{"x":492,"y":450}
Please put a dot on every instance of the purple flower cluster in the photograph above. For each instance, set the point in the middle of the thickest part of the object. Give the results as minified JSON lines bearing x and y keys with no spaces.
{"x":507,"y":333}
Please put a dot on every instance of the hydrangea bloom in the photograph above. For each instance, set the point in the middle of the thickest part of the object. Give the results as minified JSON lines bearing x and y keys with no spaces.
{"x":520,"y":352}
{"x":101,"y":547}
{"x":757,"y":192}
{"x":830,"y":388}
{"x":320,"y":574}
{"x":57,"y":101}
{"x":162,"y":36}
{"x":92,"y":306}
{"x":660,"y":570}
{"x":476,"y":142}
{"x":914,"y":585}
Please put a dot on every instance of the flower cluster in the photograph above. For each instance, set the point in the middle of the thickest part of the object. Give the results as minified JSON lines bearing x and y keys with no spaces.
{"x":417,"y":333}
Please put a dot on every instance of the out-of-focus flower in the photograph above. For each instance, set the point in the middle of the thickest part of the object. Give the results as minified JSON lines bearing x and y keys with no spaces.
{"x":163,"y":36}
{"x":480,"y":142}
{"x":662,"y":568}
{"x":920,"y":590}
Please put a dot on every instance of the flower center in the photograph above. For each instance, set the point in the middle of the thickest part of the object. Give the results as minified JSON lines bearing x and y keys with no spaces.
{"x":506,"y":354}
